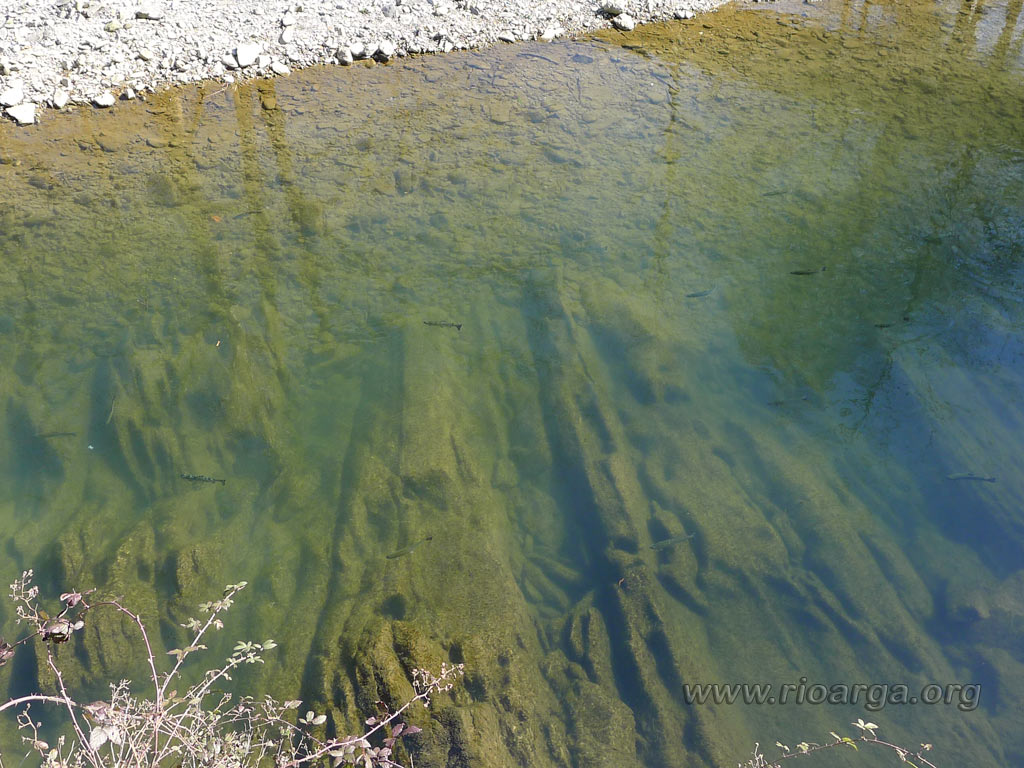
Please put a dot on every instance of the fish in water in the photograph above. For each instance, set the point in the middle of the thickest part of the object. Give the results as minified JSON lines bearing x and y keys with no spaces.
{"x":407,"y":550}
{"x":671,"y":542}
{"x":700,"y":294}
{"x":787,"y":402}
{"x":202,"y":479}
{"x":808,"y":271}
{"x":443,"y":324}
{"x":970,"y":476}
{"x":48,"y":435}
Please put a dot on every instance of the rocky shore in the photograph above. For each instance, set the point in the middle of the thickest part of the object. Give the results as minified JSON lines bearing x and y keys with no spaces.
{"x":64,"y":52}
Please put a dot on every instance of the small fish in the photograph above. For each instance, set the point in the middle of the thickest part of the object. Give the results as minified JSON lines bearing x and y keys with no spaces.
{"x":443,"y":324}
{"x":407,"y":550}
{"x":201,"y":479}
{"x":48,"y":435}
{"x":775,"y":192}
{"x":808,"y":271}
{"x":883,"y":325}
{"x":671,"y":542}
{"x":787,"y":402}
{"x":970,"y":476}
{"x":700,"y":294}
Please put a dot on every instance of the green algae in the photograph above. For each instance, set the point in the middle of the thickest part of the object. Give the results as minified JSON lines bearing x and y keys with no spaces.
{"x":209,"y":286}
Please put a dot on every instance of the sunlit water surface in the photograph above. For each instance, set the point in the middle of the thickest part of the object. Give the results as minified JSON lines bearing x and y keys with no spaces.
{"x":754,"y":277}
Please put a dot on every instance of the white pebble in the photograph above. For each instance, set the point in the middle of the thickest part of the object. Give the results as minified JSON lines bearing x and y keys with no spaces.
{"x":624,"y":22}
{"x":23,"y":114}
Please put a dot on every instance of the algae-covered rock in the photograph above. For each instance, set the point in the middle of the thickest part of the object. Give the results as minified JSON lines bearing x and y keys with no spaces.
{"x":967,"y":603}
{"x":997,"y":616}
{"x":163,"y":190}
{"x":111,"y":643}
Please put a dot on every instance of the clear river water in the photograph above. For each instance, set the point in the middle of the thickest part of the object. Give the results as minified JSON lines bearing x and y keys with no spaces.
{"x":696,"y":352}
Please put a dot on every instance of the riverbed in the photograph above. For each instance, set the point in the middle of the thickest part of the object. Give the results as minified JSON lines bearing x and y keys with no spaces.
{"x":696,"y":352}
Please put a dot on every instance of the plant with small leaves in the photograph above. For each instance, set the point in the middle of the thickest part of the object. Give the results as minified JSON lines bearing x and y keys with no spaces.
{"x":203,"y":726}
{"x":867,"y":736}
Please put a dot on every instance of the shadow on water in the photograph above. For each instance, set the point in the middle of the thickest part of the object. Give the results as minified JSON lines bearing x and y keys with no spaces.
{"x":606,"y":367}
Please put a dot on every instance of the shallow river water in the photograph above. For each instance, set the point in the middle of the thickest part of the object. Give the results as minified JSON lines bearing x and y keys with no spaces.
{"x":753,"y":279}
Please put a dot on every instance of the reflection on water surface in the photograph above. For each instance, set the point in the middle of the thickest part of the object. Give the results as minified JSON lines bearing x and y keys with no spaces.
{"x":755,"y":279}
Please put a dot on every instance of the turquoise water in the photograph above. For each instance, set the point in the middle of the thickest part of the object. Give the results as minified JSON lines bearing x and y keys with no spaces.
{"x":234,"y":282}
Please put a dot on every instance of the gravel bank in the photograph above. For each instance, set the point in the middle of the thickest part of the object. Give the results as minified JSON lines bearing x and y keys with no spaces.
{"x":79,"y":51}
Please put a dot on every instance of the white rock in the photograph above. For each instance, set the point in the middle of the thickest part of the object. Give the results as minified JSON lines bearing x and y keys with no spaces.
{"x":551,"y":33}
{"x":385,"y":50}
{"x":358,"y":50}
{"x":229,"y":61}
{"x":288,"y":20}
{"x":23,"y":114}
{"x":15,"y":94}
{"x":263,"y":61}
{"x":279,"y":69}
{"x":624,"y":22}
{"x":128,"y":94}
{"x":150,"y":11}
{"x":286,"y":35}
{"x":105,"y":99}
{"x":247,"y":53}
{"x":687,"y":14}
{"x":612,"y":7}
{"x":146,"y":55}
{"x":507,"y":37}
{"x":61,"y":99}
{"x":344,"y":56}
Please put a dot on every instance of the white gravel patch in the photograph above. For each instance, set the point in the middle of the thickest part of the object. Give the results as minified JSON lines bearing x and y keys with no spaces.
{"x":56,"y":52}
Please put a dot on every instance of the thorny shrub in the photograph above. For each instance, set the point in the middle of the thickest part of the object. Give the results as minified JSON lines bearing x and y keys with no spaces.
{"x":203,"y":726}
